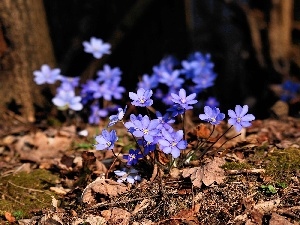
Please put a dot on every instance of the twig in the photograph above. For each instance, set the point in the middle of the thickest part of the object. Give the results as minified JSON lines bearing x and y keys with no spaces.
{"x":288,"y":211}
{"x":101,"y":204}
{"x":29,"y":189}
{"x":12,"y":198}
{"x":247,"y":171}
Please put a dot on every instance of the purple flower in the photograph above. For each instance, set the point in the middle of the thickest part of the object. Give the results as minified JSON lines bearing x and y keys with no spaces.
{"x":116,"y":118}
{"x":106,"y":140}
{"x":108,"y":73}
{"x":165,"y":65}
{"x":116,"y":90}
{"x":88,"y":90}
{"x":103,"y":91}
{"x":172,"y":143}
{"x":171,"y":79}
{"x":148,"y":82}
{"x":96,"y":47}
{"x":129,"y":175}
{"x":133,"y":157}
{"x":176,"y":110}
{"x":212,"y":115}
{"x":148,"y":146}
{"x":141,"y":98}
{"x":196,"y":65}
{"x":290,"y":90}
{"x":96,"y":113}
{"x":68,"y":83}
{"x":145,"y":128}
{"x":239,"y":118}
{"x":183,"y":100}
{"x":212,"y":102}
{"x":164,"y":121}
{"x":46,"y":75}
{"x":67,"y":99}
{"x":205,"y":80}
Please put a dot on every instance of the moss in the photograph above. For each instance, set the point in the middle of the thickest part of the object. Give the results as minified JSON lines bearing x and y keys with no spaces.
{"x":26,"y":192}
{"x":236,"y":166}
{"x":282,"y":165}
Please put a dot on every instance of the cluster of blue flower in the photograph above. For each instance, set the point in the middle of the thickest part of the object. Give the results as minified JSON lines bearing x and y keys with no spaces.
{"x":150,"y":134}
{"x":165,"y":80}
{"x":158,"y":132}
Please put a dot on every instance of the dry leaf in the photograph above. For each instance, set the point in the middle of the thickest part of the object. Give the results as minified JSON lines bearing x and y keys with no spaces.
{"x":116,"y":216}
{"x":278,"y":220}
{"x":141,"y":206}
{"x":267,"y":206}
{"x":10,"y":218}
{"x":212,"y":172}
{"x":105,"y":187}
{"x":196,"y":175}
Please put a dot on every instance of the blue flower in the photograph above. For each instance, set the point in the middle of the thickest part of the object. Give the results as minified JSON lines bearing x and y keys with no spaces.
{"x":88,"y":90}
{"x":97,"y":47}
{"x":108,"y":73}
{"x":116,"y":90}
{"x":196,"y":65}
{"x":148,"y":82}
{"x":106,"y":140}
{"x":46,"y":75}
{"x":212,"y":115}
{"x":96,"y":113}
{"x":67,"y":99}
{"x":103,"y":91}
{"x":165,"y":65}
{"x":117,"y":118}
{"x":176,"y":110}
{"x":164,"y":121}
{"x":68,"y":83}
{"x":148,"y":146}
{"x":129,"y":175}
{"x":183,"y":100}
{"x":133,"y":157}
{"x":212,"y":102}
{"x":239,"y":118}
{"x":205,"y":80}
{"x":172,"y":143}
{"x":141,"y":98}
{"x":171,"y":79}
{"x":145,"y":128}
{"x":290,"y":90}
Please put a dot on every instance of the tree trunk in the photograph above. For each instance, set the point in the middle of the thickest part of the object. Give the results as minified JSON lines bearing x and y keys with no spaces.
{"x":24,"y":46}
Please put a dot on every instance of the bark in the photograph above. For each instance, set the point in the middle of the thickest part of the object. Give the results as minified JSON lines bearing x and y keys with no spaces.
{"x":24,"y":46}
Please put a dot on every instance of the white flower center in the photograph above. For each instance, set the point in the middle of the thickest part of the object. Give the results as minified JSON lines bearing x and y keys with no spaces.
{"x":174,"y":143}
{"x":108,"y":143}
{"x":142,"y":100}
{"x":131,"y":156}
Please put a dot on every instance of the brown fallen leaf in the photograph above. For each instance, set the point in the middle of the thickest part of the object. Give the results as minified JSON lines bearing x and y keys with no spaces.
{"x":9,"y":217}
{"x":105,"y":187}
{"x":207,"y":174}
{"x":212,"y":172}
{"x":278,"y":220}
{"x":116,"y":216}
{"x":196,"y":175}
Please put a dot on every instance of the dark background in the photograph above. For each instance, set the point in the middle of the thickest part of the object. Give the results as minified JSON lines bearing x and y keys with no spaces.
{"x":143,"y":32}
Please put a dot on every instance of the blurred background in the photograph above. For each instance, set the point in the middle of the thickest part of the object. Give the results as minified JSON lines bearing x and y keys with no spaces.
{"x":254,"y":44}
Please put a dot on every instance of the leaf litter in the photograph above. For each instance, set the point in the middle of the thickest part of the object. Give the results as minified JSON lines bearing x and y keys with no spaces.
{"x":202,"y":193}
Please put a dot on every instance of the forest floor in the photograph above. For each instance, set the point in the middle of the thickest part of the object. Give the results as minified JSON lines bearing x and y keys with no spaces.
{"x":53,"y":175}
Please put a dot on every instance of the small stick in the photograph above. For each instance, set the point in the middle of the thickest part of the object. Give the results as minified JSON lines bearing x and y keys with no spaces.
{"x":248,"y":171}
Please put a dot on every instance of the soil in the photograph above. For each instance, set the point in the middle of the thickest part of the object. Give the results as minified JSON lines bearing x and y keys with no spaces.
{"x":51,"y":174}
